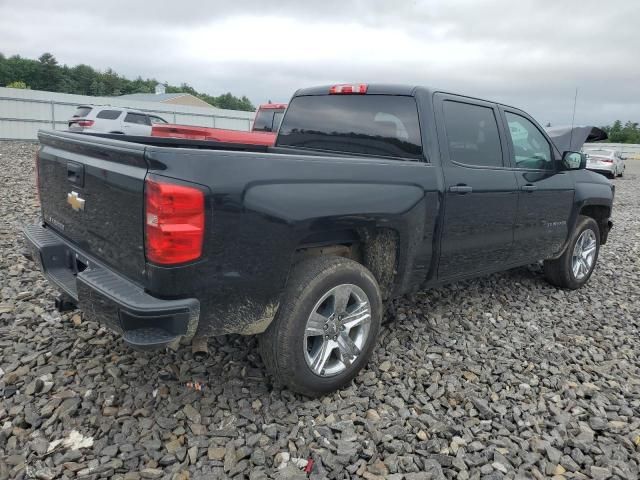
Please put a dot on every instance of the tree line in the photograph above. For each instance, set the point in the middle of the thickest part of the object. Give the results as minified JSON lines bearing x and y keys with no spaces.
{"x":619,"y":133}
{"x":47,"y":74}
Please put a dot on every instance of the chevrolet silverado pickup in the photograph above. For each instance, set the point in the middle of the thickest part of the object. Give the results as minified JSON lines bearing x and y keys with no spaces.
{"x":369,"y":192}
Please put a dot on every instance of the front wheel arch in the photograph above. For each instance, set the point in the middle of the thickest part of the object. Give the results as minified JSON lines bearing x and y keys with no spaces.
{"x":559,"y":271}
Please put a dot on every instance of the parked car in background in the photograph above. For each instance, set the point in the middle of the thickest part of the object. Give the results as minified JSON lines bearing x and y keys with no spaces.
{"x":108,"y":119}
{"x":607,"y":162}
{"x":269,"y":117}
{"x":263,"y":132}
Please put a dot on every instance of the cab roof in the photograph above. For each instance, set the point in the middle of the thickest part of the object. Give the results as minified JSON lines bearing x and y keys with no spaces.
{"x":391,"y":89}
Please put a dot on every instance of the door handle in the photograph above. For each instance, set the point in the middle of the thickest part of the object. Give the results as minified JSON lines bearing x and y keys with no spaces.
{"x":461,"y":189}
{"x":528,"y":188}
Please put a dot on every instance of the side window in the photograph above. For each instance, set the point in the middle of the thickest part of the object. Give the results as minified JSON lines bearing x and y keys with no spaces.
{"x":155,"y":120}
{"x":137,"y":118}
{"x":277,"y":120}
{"x":109,"y":114}
{"x":472,"y":134}
{"x":530,"y":148}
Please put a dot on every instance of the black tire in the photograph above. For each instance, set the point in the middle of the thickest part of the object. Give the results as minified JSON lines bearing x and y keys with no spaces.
{"x":559,"y":272}
{"x":282,"y":345}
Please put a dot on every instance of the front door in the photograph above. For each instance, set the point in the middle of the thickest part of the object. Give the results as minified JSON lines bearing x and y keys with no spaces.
{"x":546,"y":194}
{"x":481,"y":191}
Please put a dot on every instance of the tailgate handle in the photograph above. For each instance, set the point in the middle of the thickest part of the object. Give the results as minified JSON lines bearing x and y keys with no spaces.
{"x":75,"y":173}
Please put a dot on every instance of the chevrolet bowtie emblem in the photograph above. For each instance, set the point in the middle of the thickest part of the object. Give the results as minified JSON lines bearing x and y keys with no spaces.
{"x":75,"y":201}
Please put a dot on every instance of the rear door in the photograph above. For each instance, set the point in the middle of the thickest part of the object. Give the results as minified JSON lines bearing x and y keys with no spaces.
{"x":108,"y":121}
{"x":92,"y":193}
{"x":481,"y":191}
{"x":545,"y":198}
{"x":136,"y":124}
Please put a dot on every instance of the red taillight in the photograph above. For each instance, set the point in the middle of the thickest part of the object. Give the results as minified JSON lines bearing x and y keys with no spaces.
{"x":84,"y":123}
{"x":354,"y":89}
{"x":174,"y":222}
{"x":607,"y":160}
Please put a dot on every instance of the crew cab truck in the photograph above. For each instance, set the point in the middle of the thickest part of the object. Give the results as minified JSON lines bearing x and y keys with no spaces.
{"x":370,"y":191}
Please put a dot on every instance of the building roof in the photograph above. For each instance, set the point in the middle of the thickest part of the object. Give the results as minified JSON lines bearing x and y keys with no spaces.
{"x":153,"y":97}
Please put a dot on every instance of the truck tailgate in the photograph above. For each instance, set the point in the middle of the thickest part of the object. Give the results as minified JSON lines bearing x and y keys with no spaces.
{"x":92,"y":194}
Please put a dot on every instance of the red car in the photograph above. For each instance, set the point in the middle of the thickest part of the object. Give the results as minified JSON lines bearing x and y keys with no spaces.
{"x":265,"y":125}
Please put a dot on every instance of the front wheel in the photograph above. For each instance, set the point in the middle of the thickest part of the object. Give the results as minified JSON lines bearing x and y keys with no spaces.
{"x":575,"y":266}
{"x":326,"y":326}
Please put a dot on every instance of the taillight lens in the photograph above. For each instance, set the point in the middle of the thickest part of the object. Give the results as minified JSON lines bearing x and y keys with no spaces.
{"x":84,"y":123}
{"x":349,"y":89}
{"x":174,"y":222}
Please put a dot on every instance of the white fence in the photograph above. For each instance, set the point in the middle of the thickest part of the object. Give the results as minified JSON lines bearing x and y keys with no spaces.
{"x":630,"y":150}
{"x":24,"y":112}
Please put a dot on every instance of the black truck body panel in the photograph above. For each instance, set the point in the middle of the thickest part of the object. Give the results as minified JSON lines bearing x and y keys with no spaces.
{"x":110,"y":178}
{"x":265,"y":204}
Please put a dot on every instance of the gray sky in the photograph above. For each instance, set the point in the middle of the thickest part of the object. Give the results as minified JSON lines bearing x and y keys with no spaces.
{"x":527,"y":53}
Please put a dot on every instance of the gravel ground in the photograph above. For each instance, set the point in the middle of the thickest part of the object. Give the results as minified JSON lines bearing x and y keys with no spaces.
{"x":501,"y":377}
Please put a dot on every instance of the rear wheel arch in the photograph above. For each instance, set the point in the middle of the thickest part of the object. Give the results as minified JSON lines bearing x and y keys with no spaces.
{"x":374,"y":248}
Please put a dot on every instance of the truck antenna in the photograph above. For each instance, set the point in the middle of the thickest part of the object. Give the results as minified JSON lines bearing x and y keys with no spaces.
{"x":573,"y":118}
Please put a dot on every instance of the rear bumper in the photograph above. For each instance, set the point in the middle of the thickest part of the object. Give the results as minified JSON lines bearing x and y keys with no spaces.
{"x":109,"y":298}
{"x":603,"y":168}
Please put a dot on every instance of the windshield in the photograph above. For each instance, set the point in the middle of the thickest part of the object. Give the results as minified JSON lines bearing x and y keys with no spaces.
{"x":385,"y":125}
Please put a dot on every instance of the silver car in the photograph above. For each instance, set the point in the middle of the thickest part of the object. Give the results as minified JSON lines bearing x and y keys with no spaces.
{"x":605,"y":161}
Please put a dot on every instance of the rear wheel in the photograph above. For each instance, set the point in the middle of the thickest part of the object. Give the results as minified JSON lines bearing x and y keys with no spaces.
{"x":326,"y":326}
{"x":575,"y":266}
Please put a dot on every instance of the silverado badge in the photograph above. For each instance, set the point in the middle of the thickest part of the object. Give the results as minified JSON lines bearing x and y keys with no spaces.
{"x":75,"y":201}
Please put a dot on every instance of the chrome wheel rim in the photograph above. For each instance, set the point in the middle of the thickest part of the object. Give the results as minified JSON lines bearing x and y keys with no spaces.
{"x":337,"y":330}
{"x":584,"y":254}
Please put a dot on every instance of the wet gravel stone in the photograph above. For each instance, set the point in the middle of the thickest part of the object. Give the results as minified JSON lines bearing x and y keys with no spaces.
{"x":501,"y":377}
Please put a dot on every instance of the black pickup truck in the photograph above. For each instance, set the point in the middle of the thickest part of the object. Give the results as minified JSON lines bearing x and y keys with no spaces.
{"x":370,"y":191}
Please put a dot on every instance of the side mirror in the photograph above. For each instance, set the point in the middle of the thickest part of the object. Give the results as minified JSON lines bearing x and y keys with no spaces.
{"x":574,"y":160}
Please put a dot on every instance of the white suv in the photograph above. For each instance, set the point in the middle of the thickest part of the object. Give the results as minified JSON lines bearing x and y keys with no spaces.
{"x":107,"y":119}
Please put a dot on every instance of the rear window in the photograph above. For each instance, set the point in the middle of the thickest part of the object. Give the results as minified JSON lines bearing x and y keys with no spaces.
{"x":383,"y":125}
{"x":599,"y":153}
{"x":109,"y":114}
{"x":263,"y":121}
{"x":137,"y":118}
{"x":81,"y":112}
